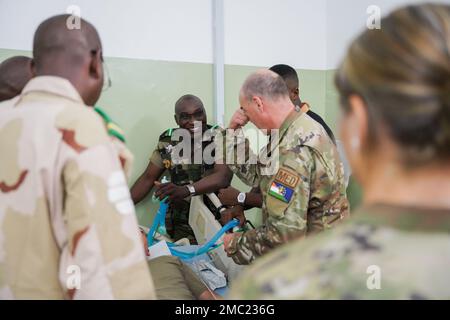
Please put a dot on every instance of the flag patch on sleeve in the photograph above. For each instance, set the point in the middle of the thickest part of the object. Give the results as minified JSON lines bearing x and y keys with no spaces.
{"x":281,"y":192}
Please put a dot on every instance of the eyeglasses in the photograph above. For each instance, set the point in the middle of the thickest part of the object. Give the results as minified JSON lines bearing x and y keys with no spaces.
{"x":107,"y":83}
{"x":196,"y":115}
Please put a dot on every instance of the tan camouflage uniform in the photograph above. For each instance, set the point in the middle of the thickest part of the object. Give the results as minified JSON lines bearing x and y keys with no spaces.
{"x":305,"y":196}
{"x":382,"y":252}
{"x":177,"y":217}
{"x":65,"y":208}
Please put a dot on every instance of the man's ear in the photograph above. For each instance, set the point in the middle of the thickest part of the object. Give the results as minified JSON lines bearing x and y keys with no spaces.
{"x":359,"y":116}
{"x":176,"y":119}
{"x":259,"y":103}
{"x":33,"y":68}
{"x":95,"y":65}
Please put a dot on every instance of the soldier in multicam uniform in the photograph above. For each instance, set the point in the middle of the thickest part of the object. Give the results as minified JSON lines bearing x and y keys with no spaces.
{"x":188,"y":177}
{"x":67,"y":223}
{"x":306,"y":194}
{"x":397,"y":245}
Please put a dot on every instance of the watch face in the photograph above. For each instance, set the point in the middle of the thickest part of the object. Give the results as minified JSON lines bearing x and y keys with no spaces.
{"x":241,"y":197}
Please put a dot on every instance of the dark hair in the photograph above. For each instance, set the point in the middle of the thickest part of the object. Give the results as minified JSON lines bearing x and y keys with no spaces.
{"x":286,"y":72}
{"x":402,"y":72}
{"x":188,"y":98}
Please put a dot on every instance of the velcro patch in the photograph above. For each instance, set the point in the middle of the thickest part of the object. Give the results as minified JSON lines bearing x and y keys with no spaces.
{"x":281,"y":192}
{"x":287,"y":178}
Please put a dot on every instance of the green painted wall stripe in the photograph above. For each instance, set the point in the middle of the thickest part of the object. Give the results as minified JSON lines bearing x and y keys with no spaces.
{"x":143,"y":94}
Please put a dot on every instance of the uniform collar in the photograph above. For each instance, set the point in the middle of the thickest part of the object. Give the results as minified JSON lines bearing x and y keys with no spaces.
{"x":405,"y":218}
{"x":297,"y":112}
{"x":293,"y":115}
{"x":53,"y":85}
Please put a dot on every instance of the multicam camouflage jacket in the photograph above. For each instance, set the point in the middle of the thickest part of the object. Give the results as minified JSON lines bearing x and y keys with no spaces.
{"x":382,"y":252}
{"x":304,"y":195}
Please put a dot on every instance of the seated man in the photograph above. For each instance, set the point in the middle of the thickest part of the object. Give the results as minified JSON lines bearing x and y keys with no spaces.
{"x":174,"y":280}
{"x":189,"y":178}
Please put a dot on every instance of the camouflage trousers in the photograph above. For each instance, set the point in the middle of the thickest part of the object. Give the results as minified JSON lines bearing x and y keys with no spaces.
{"x":177,"y":222}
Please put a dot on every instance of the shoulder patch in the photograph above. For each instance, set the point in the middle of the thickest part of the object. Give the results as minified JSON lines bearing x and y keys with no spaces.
{"x":288,"y":178}
{"x":112,"y":128}
{"x":281,"y":192}
{"x":167,"y":133}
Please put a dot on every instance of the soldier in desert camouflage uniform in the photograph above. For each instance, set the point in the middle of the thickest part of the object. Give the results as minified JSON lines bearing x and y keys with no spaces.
{"x":15,"y":72}
{"x":201,"y":176}
{"x":397,"y":245}
{"x":65,"y":209}
{"x":306,"y":192}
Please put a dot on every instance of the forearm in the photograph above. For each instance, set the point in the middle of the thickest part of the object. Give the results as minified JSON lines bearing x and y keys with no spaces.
{"x":212,"y":183}
{"x":141,"y":188}
{"x":240,"y":158}
{"x":247,"y":246}
{"x":253,"y":200}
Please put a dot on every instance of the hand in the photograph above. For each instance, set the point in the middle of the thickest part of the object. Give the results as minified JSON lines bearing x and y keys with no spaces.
{"x":231,"y":213}
{"x":172,"y":191}
{"x":228,"y":196}
{"x":226,"y":242}
{"x":238,"y":120}
{"x":227,"y":238}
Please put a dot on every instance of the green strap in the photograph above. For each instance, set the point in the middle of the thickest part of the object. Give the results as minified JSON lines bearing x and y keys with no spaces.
{"x":112,"y":128}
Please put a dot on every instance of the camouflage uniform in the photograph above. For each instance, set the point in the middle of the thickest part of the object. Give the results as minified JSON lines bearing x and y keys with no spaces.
{"x":177,"y":218}
{"x":305,"y":196}
{"x":65,"y":208}
{"x":382,"y":252}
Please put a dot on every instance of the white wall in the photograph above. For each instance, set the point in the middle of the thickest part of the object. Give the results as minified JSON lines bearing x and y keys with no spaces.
{"x":172,"y":30}
{"x":347,"y":18}
{"x":257,"y":32}
{"x":267,"y":32}
{"x":309,"y":34}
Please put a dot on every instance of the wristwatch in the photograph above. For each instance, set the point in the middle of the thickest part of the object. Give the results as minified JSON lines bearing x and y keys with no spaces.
{"x":191,"y":189}
{"x":241,"y":198}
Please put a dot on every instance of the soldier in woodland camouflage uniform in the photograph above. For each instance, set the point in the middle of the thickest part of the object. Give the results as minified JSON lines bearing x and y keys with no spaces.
{"x":397,"y":244}
{"x":306,"y":192}
{"x":204,"y":176}
{"x":67,"y":223}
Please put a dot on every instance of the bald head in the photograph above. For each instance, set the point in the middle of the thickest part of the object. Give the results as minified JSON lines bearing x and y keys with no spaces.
{"x":70,"y":53}
{"x":15,"y":72}
{"x":54,"y":39}
{"x":187,"y":99}
{"x":264,"y":83}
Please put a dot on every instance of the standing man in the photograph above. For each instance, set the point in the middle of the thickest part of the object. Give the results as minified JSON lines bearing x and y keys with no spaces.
{"x":290,"y":76}
{"x":238,"y":201}
{"x":188,"y":178}
{"x":306,"y":194}
{"x":67,"y":222}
